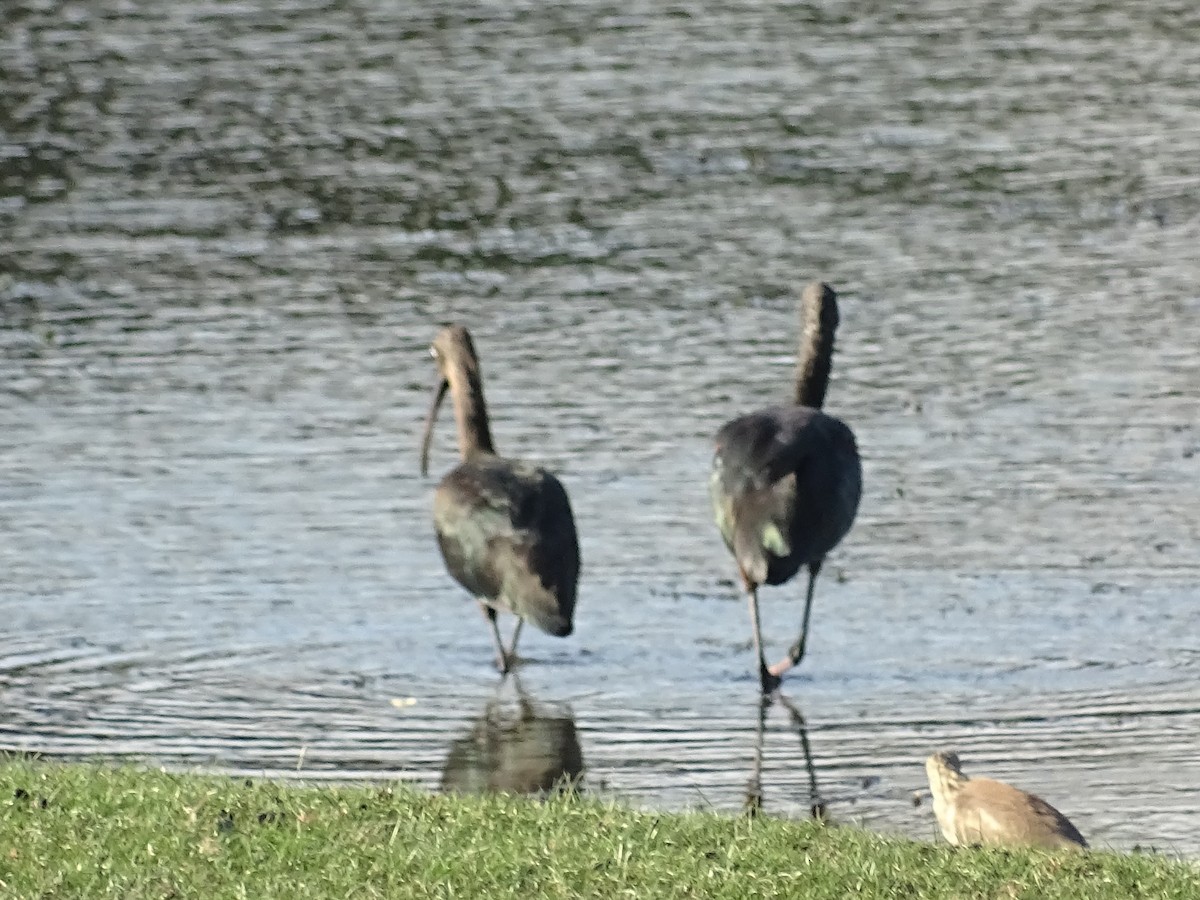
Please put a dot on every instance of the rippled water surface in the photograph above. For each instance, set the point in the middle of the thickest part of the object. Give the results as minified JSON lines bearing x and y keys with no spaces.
{"x":228,"y":231}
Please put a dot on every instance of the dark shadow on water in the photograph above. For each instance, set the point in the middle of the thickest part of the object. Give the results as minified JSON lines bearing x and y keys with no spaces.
{"x":517,"y":745}
{"x":754,"y":789}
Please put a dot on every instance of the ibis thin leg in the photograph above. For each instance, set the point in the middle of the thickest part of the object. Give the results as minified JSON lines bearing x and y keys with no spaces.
{"x":512,"y":647}
{"x":501,"y":656}
{"x":767,"y":679}
{"x":796,"y":652}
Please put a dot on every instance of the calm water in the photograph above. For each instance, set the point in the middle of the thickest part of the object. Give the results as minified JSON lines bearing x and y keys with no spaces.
{"x":228,"y":231}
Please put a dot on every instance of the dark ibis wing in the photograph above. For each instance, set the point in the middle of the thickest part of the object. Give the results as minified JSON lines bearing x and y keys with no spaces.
{"x":785,"y":487}
{"x":508,"y":535}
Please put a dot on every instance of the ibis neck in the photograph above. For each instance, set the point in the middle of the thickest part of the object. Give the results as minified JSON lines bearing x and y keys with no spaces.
{"x":815,"y":361}
{"x":470,"y":410}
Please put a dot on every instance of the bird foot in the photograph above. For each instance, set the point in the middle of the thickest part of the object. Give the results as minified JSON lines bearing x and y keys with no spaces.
{"x":780,"y":668}
{"x":794,"y":655}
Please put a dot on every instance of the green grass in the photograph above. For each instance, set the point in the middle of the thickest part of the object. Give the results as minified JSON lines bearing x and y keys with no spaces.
{"x":92,"y":831}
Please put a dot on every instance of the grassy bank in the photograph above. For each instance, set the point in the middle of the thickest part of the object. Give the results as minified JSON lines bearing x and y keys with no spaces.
{"x":90,"y":831}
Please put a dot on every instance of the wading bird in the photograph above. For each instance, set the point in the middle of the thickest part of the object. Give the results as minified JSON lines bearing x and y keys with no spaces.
{"x":982,"y":811}
{"x":786,"y":480}
{"x":504,"y":526}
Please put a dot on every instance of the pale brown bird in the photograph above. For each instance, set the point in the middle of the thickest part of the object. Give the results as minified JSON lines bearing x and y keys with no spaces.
{"x":974,"y":811}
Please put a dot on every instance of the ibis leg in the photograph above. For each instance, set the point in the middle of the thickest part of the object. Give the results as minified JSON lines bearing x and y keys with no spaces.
{"x":796,"y":652}
{"x":512,"y":647}
{"x":767,"y":678}
{"x":501,"y":656}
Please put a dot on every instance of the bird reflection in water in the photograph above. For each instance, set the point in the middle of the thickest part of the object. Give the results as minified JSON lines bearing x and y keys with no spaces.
{"x":517,"y":746}
{"x":754,"y":791}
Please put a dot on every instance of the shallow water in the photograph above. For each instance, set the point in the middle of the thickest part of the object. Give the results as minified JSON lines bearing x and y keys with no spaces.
{"x":231,"y":229}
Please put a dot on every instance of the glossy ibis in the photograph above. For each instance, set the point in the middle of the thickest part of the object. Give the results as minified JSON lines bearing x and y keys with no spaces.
{"x":786,"y":480}
{"x":982,"y":811}
{"x":504,"y":526}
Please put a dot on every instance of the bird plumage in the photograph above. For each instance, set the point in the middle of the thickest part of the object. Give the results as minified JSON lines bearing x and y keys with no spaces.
{"x":981,"y":811}
{"x":785,"y":486}
{"x":507,"y":534}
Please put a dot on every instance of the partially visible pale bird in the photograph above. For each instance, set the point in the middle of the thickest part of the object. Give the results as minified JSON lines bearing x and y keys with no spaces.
{"x":786,"y":480}
{"x":973,"y":811}
{"x":504,"y":526}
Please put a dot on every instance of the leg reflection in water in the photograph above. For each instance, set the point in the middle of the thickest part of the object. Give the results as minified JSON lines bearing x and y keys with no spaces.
{"x":754,"y":792}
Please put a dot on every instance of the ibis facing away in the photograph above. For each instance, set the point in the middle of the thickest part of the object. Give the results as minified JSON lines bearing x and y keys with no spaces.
{"x":786,"y":480}
{"x":504,"y":526}
{"x":974,"y":811}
